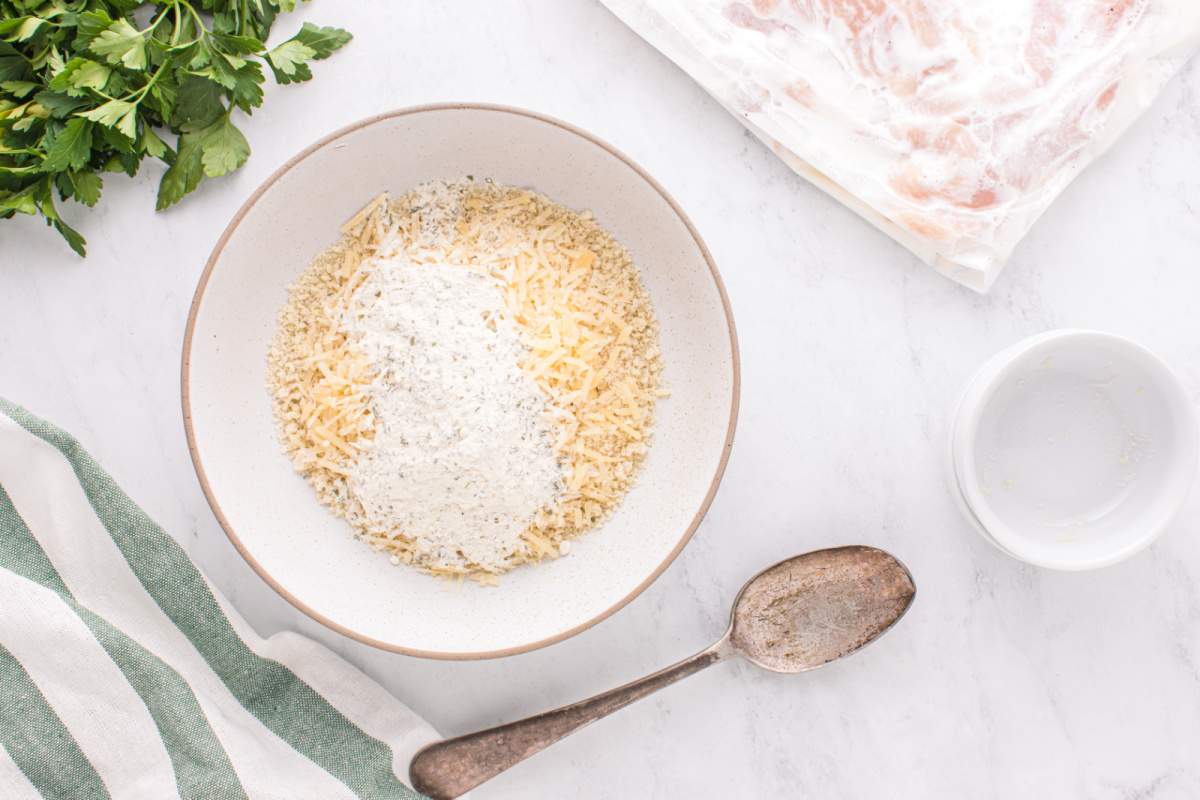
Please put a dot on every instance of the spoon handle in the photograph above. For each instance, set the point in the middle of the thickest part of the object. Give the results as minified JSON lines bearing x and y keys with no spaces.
{"x":450,"y":768}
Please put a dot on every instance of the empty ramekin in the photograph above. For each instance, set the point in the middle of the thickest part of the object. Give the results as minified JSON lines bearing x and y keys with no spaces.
{"x":1073,"y":449}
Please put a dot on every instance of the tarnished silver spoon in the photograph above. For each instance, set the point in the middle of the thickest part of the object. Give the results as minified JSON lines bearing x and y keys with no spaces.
{"x":795,"y":616}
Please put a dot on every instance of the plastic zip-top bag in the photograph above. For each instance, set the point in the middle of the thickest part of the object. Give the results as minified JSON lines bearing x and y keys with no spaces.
{"x":951,"y":125}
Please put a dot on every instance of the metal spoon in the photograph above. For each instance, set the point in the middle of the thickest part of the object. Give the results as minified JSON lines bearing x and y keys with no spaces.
{"x":798,"y":615}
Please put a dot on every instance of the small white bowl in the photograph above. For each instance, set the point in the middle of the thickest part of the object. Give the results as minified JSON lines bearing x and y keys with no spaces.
{"x":1073,"y":449}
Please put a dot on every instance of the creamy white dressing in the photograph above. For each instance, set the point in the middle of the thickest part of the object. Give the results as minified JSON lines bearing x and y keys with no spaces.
{"x":463,"y":456}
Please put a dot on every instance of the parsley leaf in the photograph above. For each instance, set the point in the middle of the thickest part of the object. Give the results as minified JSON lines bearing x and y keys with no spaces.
{"x":152,"y":145}
{"x":19,"y":89}
{"x":198,"y":103}
{"x":324,"y":41}
{"x":288,"y":60}
{"x":115,"y":113}
{"x":44,"y":197}
{"x":121,"y":43}
{"x":58,"y":105}
{"x":80,"y":74}
{"x":185,"y":174}
{"x":18,"y":202}
{"x":224,"y":148}
{"x":87,"y":187}
{"x":71,"y":148}
{"x":13,"y":66}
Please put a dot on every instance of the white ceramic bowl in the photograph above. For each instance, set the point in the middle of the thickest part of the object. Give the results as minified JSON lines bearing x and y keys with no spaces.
{"x":271,"y":514}
{"x":1073,"y":449}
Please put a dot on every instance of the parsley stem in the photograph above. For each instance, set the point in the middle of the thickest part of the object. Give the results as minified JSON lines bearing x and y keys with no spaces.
{"x":154,"y":23}
{"x":140,"y":93}
{"x":201,"y":30}
{"x":178,"y":24}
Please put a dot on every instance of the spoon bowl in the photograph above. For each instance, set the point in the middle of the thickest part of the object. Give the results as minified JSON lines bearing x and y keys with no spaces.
{"x":815,"y":608}
{"x":796,"y":616}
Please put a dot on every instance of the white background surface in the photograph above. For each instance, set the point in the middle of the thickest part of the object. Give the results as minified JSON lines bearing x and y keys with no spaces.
{"x":1004,"y":681}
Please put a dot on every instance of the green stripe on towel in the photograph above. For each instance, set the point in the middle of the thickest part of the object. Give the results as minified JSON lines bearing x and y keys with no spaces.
{"x":268,"y":690}
{"x":38,"y":742}
{"x":202,"y":768}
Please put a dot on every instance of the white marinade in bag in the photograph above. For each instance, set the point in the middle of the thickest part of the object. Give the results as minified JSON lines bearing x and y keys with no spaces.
{"x":951,"y":125}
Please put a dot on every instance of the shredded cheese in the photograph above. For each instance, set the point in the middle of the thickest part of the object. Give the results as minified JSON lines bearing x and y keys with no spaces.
{"x":592,"y":337}
{"x":582,"y":313}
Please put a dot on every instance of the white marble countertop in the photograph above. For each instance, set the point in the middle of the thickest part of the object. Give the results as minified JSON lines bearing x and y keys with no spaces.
{"x":1004,"y":680}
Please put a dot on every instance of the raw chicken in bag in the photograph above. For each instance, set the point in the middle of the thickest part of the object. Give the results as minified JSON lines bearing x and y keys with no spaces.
{"x":951,"y":125}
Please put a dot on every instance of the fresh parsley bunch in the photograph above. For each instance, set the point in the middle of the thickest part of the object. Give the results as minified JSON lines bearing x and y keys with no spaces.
{"x":89,"y":87}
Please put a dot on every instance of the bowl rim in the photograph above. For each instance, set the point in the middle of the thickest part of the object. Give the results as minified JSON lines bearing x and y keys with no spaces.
{"x":950,"y":468}
{"x":982,"y":388}
{"x":189,"y":332}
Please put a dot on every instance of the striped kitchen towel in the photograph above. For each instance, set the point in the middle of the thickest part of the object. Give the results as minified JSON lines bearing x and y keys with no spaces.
{"x":125,"y":674}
